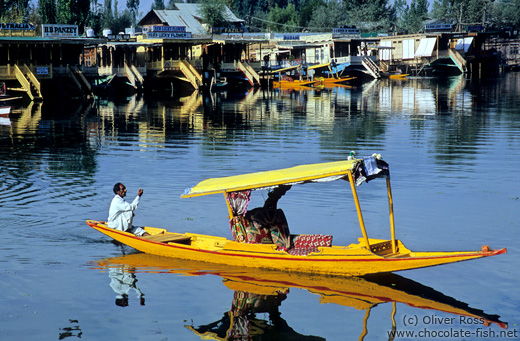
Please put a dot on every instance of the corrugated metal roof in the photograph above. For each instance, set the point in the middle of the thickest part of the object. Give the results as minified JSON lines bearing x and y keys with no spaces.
{"x":187,"y":15}
{"x":193,"y":10}
{"x":179,"y":18}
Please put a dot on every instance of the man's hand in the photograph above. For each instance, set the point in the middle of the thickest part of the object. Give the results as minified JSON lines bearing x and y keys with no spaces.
{"x":140,"y":192}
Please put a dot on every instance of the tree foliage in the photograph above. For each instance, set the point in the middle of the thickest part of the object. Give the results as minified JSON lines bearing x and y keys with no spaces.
{"x":278,"y":15}
{"x":410,"y":18}
{"x":133,"y":8}
{"x":213,"y":13}
{"x":14,"y":10}
{"x":158,"y":4}
{"x":284,"y":19}
{"x":327,"y":16}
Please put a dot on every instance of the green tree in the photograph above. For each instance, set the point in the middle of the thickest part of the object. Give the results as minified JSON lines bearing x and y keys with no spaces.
{"x":371,"y":13}
{"x":447,"y":10}
{"x":74,"y":12}
{"x":328,"y":16}
{"x":171,"y":4}
{"x":47,"y":11}
{"x":213,"y":13}
{"x":284,"y":19}
{"x":14,"y":10}
{"x":158,"y":4}
{"x":309,"y":10}
{"x":108,"y":16}
{"x":504,"y":14}
{"x":411,"y":17}
{"x":133,"y":8}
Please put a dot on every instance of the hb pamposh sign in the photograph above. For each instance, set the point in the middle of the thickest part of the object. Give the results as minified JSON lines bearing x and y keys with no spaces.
{"x":55,"y":31}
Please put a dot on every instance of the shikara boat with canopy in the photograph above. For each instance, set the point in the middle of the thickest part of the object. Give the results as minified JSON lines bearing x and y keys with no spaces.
{"x":261,"y":238}
{"x":332,"y":77}
{"x":285,"y":81}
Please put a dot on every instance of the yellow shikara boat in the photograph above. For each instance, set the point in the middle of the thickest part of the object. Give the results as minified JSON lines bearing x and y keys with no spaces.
{"x":293,"y":83}
{"x":279,"y":250}
{"x":289,"y":82}
{"x":332,"y":80}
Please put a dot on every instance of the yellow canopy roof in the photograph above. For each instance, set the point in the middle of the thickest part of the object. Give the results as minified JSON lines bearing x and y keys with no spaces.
{"x":317,"y":66}
{"x":313,"y":172}
{"x":289,"y":68}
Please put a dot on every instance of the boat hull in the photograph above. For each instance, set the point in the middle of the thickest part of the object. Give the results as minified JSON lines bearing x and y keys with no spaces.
{"x":331,"y":81}
{"x":293,"y":84}
{"x":352,"y":260}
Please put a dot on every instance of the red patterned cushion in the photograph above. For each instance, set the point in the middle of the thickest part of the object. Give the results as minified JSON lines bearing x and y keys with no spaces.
{"x":311,"y":240}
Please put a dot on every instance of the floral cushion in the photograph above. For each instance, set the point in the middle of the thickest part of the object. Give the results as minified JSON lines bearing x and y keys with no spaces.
{"x":311,"y":240}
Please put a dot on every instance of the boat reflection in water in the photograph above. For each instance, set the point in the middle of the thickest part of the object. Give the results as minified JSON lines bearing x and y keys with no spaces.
{"x":258,"y":291}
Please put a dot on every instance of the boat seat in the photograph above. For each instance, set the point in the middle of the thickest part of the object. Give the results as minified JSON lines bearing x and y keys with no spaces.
{"x":168,"y":238}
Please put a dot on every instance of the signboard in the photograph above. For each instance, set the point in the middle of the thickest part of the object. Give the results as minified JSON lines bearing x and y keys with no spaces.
{"x":17,"y":26}
{"x":219,"y":30}
{"x":59,"y":31}
{"x":168,"y":35}
{"x":438,"y":27}
{"x":291,"y":37}
{"x":475,"y":28}
{"x":42,"y":70}
{"x":168,"y":29}
{"x":120,"y":37}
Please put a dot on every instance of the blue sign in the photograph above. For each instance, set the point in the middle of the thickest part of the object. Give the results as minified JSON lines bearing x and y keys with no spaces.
{"x":291,"y":37}
{"x":17,"y":26}
{"x":219,"y":30}
{"x":168,"y":28}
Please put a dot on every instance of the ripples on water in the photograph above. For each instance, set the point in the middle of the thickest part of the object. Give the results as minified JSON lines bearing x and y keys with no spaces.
{"x":452,"y":145}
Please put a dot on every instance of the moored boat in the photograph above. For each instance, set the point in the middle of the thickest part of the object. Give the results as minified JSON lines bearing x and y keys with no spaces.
{"x":261,"y":237}
{"x":287,"y":81}
{"x":293,"y":83}
{"x":332,"y":80}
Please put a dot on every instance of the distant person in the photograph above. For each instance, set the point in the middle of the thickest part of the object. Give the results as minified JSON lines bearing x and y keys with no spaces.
{"x":121,"y":213}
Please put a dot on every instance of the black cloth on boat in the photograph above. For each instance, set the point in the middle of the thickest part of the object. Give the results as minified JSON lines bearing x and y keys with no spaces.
{"x":370,"y":168}
{"x":275,"y":195}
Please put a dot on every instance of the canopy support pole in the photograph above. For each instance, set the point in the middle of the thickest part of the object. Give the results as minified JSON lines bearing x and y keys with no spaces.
{"x":391,"y":208}
{"x":228,"y":205}
{"x":358,"y":208}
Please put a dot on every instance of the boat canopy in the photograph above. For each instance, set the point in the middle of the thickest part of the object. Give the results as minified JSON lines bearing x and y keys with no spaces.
{"x":317,"y":66}
{"x":285,"y":69}
{"x":329,"y":171}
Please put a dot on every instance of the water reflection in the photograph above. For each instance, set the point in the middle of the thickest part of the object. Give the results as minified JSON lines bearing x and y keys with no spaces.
{"x":262,"y":291}
{"x":241,"y":322}
{"x":341,"y":114}
{"x":122,"y":281}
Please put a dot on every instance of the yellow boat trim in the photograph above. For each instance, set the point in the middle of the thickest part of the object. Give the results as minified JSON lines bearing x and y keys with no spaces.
{"x":285,"y":69}
{"x":271,"y":178}
{"x":318,"y":66}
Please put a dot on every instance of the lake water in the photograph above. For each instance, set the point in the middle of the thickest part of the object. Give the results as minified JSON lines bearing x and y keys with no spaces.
{"x":453,"y":146}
